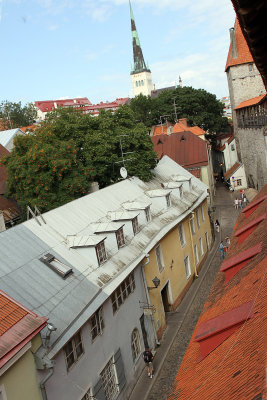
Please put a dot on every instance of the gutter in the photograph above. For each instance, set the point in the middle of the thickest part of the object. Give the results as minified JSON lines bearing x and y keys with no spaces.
{"x":43,"y":382}
{"x":148,"y":299}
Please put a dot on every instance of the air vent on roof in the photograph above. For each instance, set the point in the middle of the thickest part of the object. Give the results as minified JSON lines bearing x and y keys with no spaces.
{"x":59,"y":267}
{"x":244,"y":232}
{"x":252,"y":206}
{"x":234,"y":264}
{"x":212,"y":333}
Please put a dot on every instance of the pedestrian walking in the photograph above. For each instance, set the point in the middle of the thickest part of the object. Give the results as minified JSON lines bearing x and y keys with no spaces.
{"x":148,"y":358}
{"x":240,"y":204}
{"x":228,"y":242}
{"x":236,"y":203}
{"x":245,"y":201}
{"x":222,"y":252}
{"x":217,"y":226}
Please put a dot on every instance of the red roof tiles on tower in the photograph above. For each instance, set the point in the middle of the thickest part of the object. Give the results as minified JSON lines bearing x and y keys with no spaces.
{"x":244,"y":55}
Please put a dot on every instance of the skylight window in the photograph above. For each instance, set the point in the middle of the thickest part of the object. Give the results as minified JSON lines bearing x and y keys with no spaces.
{"x":59,"y":267}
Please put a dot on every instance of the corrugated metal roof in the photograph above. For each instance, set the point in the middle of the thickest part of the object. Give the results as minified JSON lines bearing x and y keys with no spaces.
{"x":135,"y":205}
{"x":158,"y":192}
{"x":6,"y":136}
{"x":70,"y":302}
{"x":84,"y":241}
{"x":185,"y":148}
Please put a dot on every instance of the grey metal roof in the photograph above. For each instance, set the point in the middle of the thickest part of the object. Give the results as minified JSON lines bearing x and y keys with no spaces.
{"x":69,"y":303}
{"x":6,"y":136}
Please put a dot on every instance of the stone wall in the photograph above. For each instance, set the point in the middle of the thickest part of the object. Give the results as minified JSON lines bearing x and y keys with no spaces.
{"x":253,"y":147}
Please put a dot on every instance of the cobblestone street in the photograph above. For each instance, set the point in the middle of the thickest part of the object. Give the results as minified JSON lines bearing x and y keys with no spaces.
{"x":181,"y":323}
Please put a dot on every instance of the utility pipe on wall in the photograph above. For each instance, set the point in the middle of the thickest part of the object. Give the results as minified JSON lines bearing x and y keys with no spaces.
{"x":148,"y":299}
{"x":191,"y":237}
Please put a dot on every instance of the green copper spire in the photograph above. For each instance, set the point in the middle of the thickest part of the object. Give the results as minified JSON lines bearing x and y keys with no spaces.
{"x":139,"y":62}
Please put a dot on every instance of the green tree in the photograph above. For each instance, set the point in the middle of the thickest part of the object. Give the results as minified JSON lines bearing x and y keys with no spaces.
{"x":99,"y":139}
{"x":44,"y":171}
{"x":14,"y":115}
{"x":198,"y":106}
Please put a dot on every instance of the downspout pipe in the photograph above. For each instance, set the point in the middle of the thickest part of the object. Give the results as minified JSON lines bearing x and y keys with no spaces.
{"x":148,"y":299}
{"x":192,"y":244}
{"x":43,"y":382}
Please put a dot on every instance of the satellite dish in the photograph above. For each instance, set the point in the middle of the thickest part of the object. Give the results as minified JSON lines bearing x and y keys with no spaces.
{"x":123,"y":172}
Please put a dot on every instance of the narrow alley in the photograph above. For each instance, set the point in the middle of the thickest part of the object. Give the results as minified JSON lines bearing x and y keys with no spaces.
{"x":182,"y":321}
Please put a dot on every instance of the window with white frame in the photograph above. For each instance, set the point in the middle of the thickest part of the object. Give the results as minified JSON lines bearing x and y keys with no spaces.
{"x":201,"y":246}
{"x":197,"y":217}
{"x":202,"y":213}
{"x":135,"y":225}
{"x":196,"y":254}
{"x":120,"y":238}
{"x":181,"y":235}
{"x":97,"y":323}
{"x":135,"y":344}
{"x":148,"y":214}
{"x":109,"y":379}
{"x":101,"y":252}
{"x":159,"y":258}
{"x":187,"y":267}
{"x":73,"y":350}
{"x":192,"y":224}
{"x":122,"y":292}
{"x":88,"y":395}
{"x":168,"y":200}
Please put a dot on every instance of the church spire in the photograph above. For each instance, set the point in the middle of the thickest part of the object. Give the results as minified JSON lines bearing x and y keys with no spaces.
{"x":139,"y":62}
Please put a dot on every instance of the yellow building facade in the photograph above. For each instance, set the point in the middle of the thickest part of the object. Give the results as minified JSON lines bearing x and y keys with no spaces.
{"x":175,"y":260}
{"x":18,"y":378}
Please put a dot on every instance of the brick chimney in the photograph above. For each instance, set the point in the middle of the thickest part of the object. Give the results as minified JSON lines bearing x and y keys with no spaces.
{"x":233,"y":43}
{"x":183,"y":121}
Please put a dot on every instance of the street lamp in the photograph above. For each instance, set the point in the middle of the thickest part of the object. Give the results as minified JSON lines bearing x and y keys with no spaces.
{"x":156,"y":282}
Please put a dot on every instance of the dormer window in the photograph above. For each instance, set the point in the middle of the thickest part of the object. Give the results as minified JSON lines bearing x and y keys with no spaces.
{"x":101,"y":252}
{"x":148,"y":214}
{"x":135,"y":225}
{"x":120,"y":238}
{"x":59,"y":267}
{"x":168,"y":200}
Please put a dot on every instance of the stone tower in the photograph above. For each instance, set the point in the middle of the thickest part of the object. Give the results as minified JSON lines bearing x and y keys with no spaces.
{"x":140,"y":74}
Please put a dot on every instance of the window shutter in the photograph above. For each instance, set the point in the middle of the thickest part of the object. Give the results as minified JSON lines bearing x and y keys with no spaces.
{"x":120,"y":369}
{"x":99,"y":393}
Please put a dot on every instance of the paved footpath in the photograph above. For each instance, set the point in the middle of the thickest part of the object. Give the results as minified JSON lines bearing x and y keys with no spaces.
{"x":182,"y":321}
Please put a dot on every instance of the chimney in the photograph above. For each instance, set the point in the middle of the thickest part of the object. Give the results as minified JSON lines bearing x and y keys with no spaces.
{"x":233,"y":43}
{"x":183,"y":121}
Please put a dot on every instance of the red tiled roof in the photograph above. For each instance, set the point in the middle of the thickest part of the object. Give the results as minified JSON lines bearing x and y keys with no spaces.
{"x":28,"y":128}
{"x":235,"y":369}
{"x":232,"y":170}
{"x":252,"y":102}
{"x":18,"y":326}
{"x":231,"y":138}
{"x":197,"y":130}
{"x":244,"y":55}
{"x":49,"y":105}
{"x":184,"y":148}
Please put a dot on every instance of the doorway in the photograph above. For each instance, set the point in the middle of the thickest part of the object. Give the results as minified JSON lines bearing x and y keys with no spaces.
{"x":165,"y":298}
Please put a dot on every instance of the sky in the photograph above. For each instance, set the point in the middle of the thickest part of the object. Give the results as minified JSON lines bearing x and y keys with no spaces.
{"x":53,"y":49}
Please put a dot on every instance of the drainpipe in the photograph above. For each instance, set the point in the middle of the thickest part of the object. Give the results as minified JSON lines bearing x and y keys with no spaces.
{"x":191,"y":237}
{"x":43,"y":382}
{"x":148,"y":299}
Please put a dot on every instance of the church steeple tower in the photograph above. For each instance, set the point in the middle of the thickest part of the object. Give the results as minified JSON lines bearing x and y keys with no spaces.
{"x":140,"y":74}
